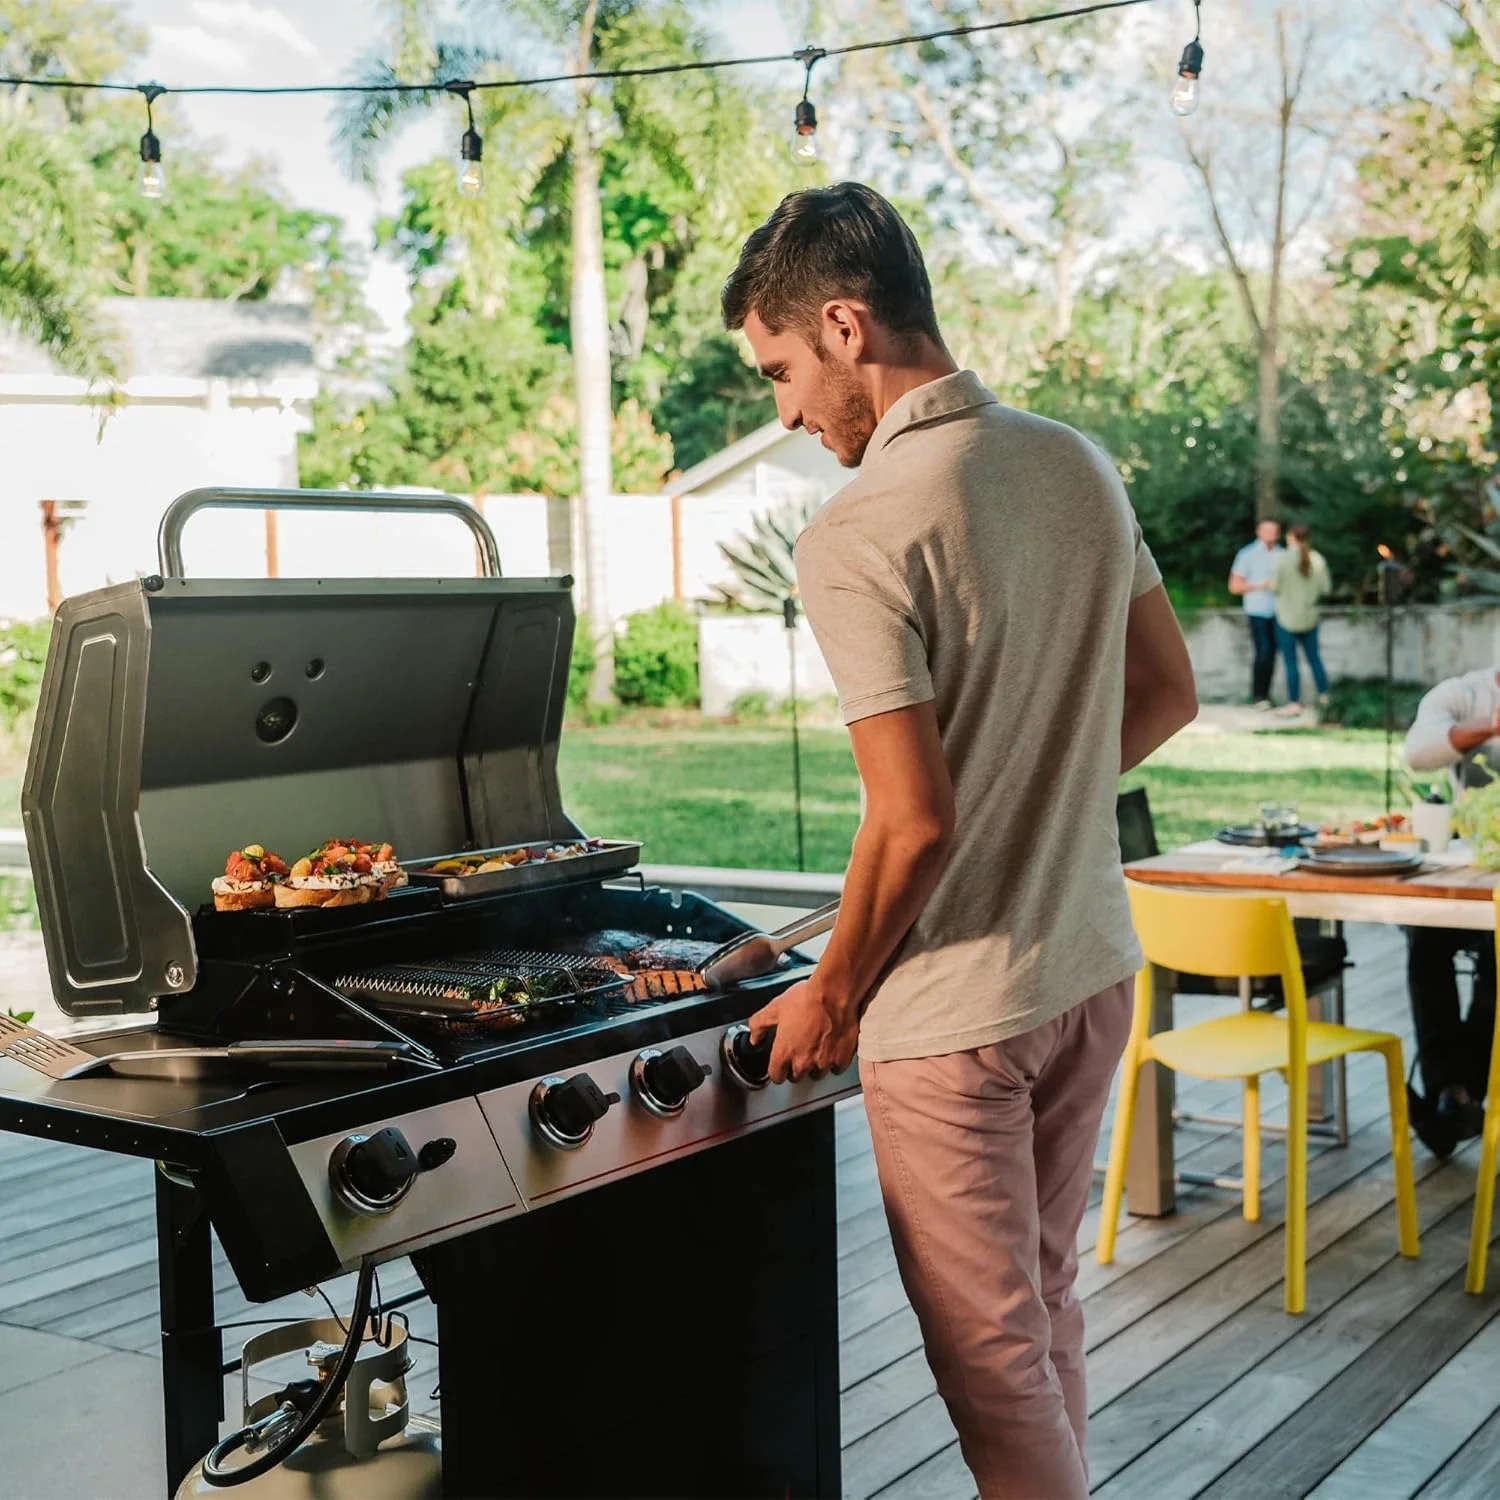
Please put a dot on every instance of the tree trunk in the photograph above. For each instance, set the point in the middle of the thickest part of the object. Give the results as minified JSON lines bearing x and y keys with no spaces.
{"x":1067,"y":255}
{"x":1267,"y":425}
{"x":591,"y":377}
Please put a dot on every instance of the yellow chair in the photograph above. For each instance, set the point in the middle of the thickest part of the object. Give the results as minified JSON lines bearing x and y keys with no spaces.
{"x":1484,"y":1188}
{"x":1232,"y":935}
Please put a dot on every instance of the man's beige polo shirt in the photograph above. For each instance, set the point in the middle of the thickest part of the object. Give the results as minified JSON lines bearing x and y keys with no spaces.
{"x":987,"y":559}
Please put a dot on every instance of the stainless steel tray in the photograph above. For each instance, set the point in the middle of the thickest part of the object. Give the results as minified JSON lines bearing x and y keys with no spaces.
{"x":612,"y":857}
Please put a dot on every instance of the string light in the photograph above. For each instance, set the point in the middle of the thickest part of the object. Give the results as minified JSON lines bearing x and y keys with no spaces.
{"x":471,"y":148}
{"x":153,"y":176}
{"x":804,"y":141}
{"x":1185,"y":91}
{"x":804,"y":144}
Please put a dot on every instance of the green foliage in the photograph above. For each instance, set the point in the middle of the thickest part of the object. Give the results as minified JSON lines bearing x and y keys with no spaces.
{"x":580,"y":664}
{"x":656,"y":658}
{"x":1477,"y":818}
{"x":764,"y":568}
{"x":1359,"y":703}
{"x":751,"y":708}
{"x":23,"y":654}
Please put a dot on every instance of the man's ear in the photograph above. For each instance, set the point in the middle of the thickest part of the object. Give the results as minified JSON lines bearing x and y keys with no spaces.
{"x":845,"y":328}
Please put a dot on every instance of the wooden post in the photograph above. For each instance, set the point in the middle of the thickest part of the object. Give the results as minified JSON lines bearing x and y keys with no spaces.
{"x":676,"y":503}
{"x":51,"y":534}
{"x":273,"y":546}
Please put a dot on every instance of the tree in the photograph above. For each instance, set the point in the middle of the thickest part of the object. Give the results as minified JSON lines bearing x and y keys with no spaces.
{"x":672,"y":124}
{"x":50,"y":228}
{"x":1263,"y":309}
{"x":1424,"y":253}
{"x":1016,"y":143}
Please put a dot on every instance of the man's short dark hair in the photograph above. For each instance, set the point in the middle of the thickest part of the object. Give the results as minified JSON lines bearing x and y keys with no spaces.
{"x":829,"y":242}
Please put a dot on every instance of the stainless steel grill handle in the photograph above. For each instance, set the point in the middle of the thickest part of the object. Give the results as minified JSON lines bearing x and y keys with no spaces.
{"x":169,"y":534}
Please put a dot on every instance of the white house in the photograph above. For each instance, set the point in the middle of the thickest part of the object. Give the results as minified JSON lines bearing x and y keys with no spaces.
{"x":214,"y":393}
{"x":719,"y":498}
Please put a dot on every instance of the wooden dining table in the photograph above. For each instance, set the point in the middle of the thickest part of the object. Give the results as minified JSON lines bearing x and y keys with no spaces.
{"x":1447,"y":890}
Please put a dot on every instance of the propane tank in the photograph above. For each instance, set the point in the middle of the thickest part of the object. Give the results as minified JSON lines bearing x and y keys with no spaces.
{"x":370,"y":1447}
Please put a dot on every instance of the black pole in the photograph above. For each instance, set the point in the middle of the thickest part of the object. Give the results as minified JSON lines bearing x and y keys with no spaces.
{"x":1386,"y":568}
{"x":789,"y":616}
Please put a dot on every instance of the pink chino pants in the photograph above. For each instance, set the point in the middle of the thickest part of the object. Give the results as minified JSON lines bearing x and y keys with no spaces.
{"x":985,"y":1161}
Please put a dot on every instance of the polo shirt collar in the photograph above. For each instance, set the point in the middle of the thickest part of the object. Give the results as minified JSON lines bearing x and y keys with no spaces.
{"x":927,"y":403}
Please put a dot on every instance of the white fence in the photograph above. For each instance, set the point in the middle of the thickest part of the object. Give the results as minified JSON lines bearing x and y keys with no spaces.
{"x":743,"y":654}
{"x":748,"y":653}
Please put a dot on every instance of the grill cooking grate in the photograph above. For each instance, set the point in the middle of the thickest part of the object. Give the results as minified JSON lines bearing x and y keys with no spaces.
{"x":502,"y":984}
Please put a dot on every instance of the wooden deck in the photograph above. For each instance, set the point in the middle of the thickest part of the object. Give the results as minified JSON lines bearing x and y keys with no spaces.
{"x":1200,"y":1384}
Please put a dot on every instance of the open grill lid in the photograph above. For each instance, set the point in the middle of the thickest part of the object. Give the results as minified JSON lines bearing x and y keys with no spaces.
{"x":182,"y":718}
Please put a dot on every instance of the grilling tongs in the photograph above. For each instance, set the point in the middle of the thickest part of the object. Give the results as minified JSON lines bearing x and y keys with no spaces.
{"x":755,"y":953}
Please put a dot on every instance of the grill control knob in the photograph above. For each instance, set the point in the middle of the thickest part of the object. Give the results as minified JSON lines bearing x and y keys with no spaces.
{"x":663,"y":1080}
{"x":371,"y":1174}
{"x":564,"y":1110}
{"x":747,"y":1062}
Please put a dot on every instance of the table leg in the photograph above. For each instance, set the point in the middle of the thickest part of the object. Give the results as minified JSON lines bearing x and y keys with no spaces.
{"x":192,"y":1353}
{"x":1150,"y":1174}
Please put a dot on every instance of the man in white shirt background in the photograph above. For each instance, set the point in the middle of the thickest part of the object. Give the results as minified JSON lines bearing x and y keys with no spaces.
{"x":1456,"y":730}
{"x":1252,"y":577}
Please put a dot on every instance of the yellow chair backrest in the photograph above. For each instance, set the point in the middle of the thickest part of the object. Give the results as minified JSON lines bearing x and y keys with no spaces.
{"x":1225,"y":936}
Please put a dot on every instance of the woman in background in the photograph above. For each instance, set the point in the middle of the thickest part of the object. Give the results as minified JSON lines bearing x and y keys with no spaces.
{"x":1301,"y":581}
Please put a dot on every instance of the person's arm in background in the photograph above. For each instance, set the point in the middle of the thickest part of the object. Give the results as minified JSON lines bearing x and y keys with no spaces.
{"x":1160,"y":693}
{"x":899,"y":854}
{"x":1325,"y":578}
{"x":1444,"y":731}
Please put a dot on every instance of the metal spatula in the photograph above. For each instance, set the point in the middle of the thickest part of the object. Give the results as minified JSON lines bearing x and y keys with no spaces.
{"x":755,"y":953}
{"x":25,"y":1044}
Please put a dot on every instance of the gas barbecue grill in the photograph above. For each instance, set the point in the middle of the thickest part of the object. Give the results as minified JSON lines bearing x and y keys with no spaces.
{"x":334,"y":1087}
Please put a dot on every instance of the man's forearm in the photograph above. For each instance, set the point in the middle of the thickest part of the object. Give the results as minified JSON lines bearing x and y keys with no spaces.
{"x":892,"y":875}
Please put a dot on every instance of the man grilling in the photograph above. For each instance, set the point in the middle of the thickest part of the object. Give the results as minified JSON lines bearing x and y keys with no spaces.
{"x":1003,"y":649}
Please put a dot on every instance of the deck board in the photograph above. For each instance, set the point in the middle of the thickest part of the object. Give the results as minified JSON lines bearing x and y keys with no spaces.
{"x":1199,"y":1383}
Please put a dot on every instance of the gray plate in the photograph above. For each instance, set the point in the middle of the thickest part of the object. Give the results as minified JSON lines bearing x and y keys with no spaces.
{"x":1357,"y":859}
{"x":614,"y":857}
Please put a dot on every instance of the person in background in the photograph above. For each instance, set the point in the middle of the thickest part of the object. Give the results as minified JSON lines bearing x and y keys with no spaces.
{"x":1300,"y":580}
{"x":1251,"y":577}
{"x":995,"y":686}
{"x":1457,"y":729}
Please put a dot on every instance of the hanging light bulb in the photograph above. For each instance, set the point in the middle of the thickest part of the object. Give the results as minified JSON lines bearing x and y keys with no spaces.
{"x":470,"y":148}
{"x":804,"y":141}
{"x":153,"y":175}
{"x":1185,"y":90}
{"x":805,"y":135}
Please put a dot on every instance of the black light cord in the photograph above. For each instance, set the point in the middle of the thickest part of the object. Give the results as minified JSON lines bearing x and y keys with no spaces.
{"x":653,"y":70}
{"x":213,"y":1465}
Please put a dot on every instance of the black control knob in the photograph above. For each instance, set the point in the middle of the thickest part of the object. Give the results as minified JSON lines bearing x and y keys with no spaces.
{"x":747,"y":1062}
{"x":373,"y":1173}
{"x":564,"y":1110}
{"x":663,"y":1080}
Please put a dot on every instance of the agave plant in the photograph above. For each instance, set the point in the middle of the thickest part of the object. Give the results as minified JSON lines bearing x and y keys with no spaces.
{"x":761,"y":558}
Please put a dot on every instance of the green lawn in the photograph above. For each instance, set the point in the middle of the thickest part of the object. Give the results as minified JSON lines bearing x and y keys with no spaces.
{"x":722,"y":795}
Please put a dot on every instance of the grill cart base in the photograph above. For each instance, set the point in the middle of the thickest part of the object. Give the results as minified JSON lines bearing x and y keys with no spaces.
{"x":674,"y":1335}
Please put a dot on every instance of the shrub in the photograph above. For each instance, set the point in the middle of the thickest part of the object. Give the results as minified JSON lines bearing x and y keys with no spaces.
{"x":656,"y":658}
{"x":754,"y":707}
{"x":23,"y":653}
{"x":1359,"y":703}
{"x":581,"y":664}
